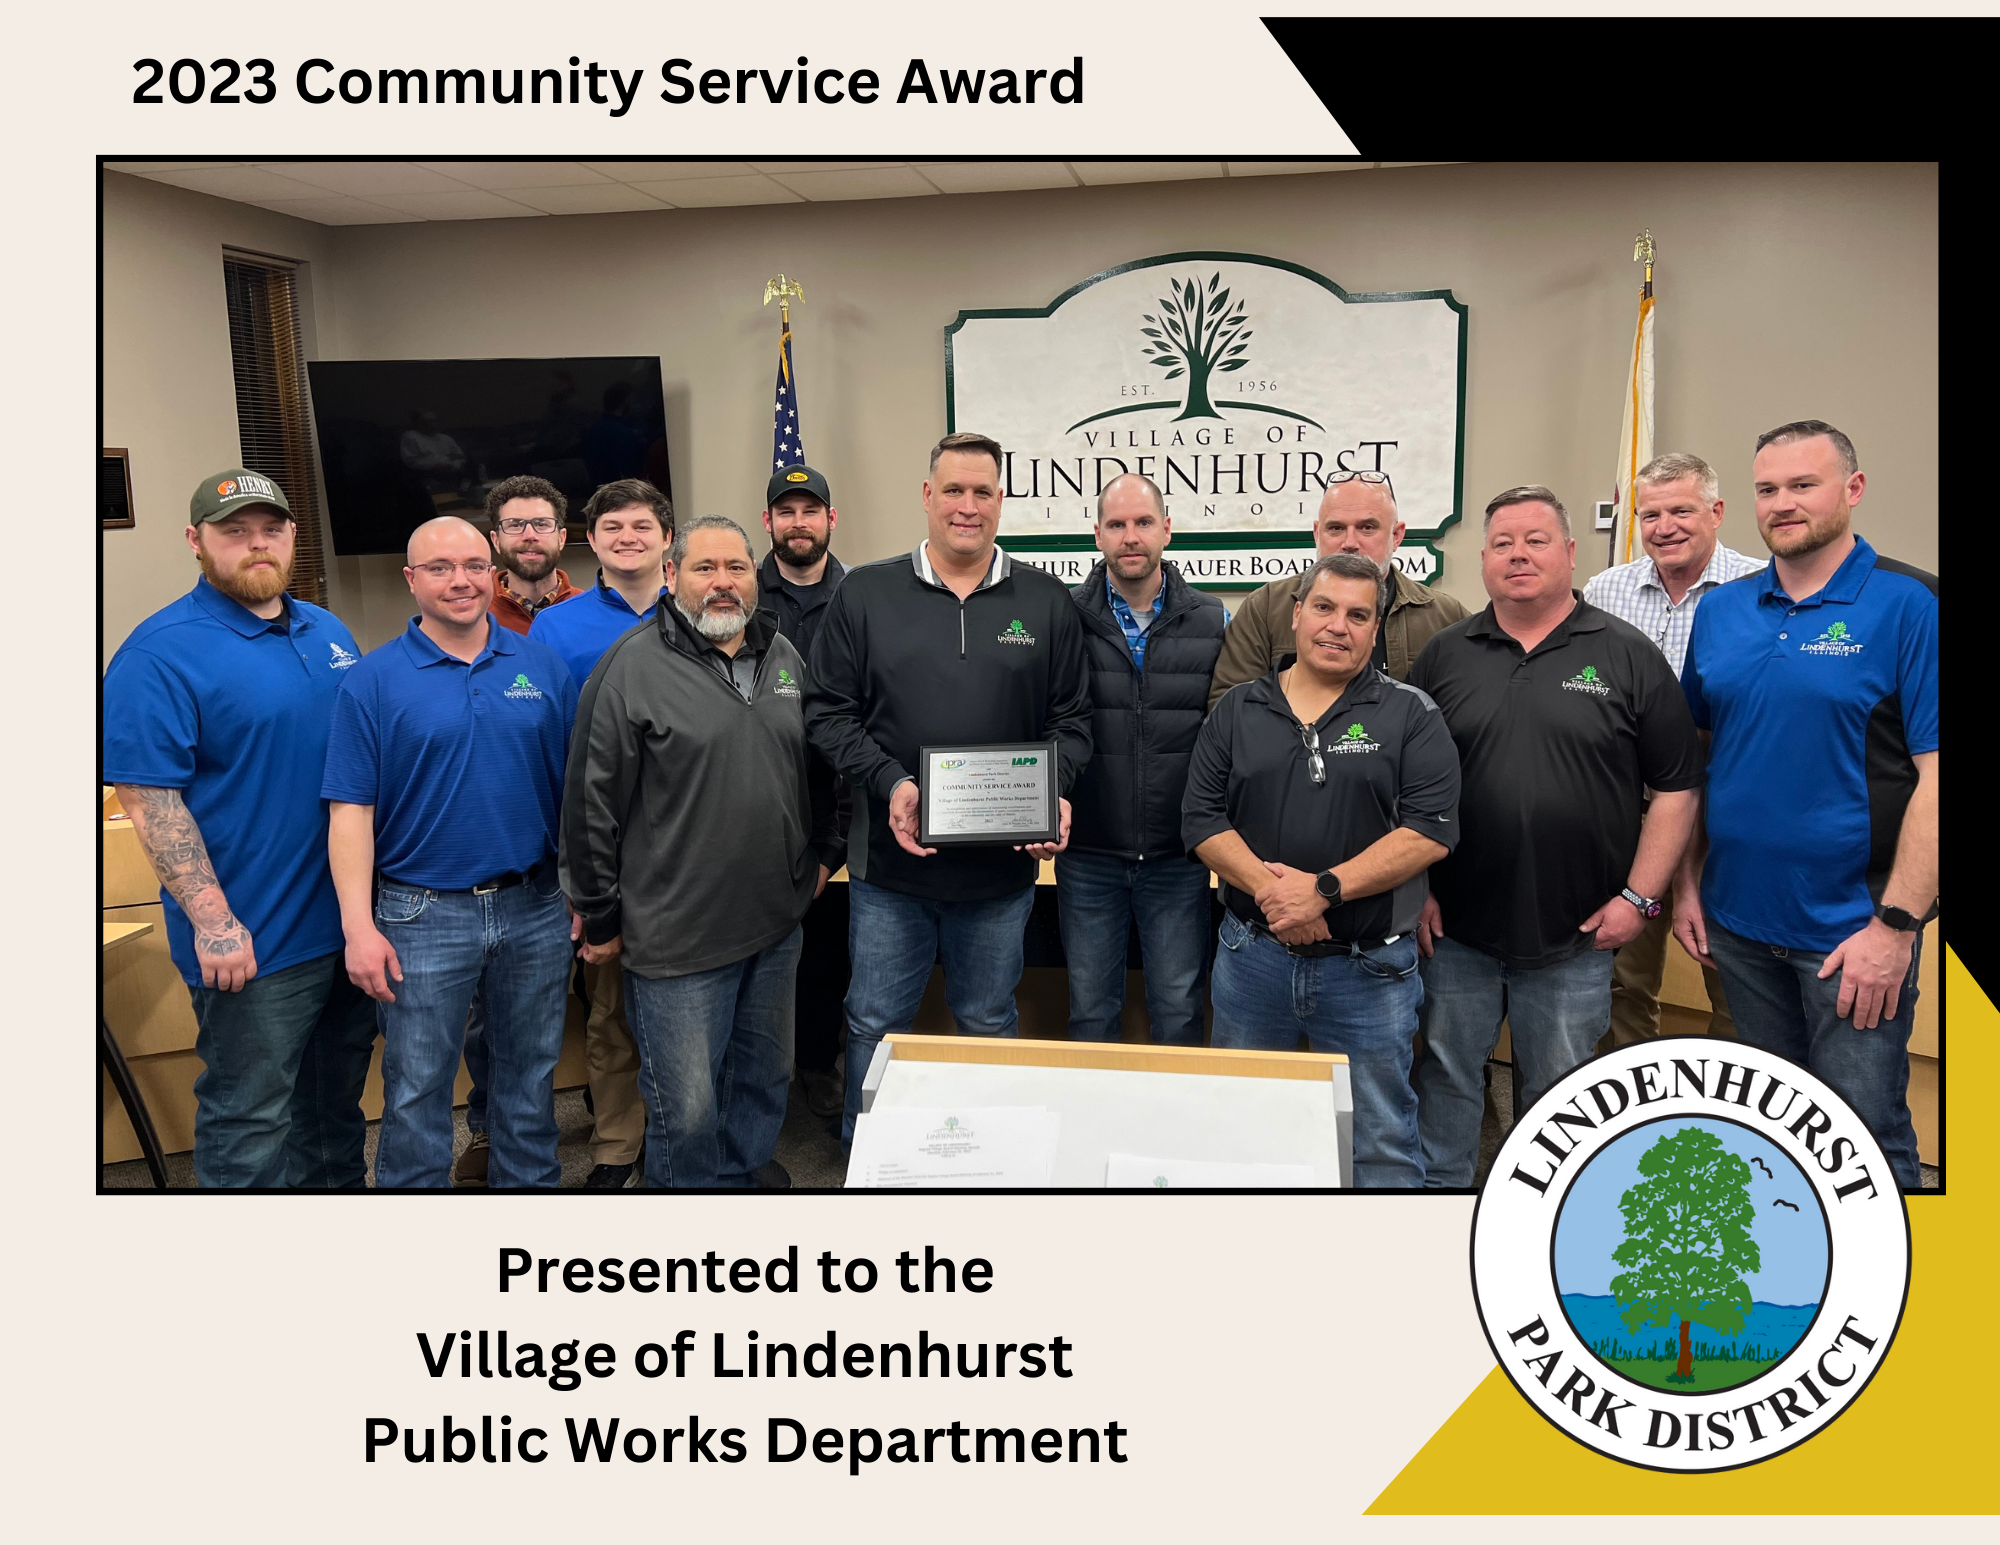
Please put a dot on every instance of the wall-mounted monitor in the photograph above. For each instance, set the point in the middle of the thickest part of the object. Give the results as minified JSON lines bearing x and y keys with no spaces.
{"x":403,"y":440}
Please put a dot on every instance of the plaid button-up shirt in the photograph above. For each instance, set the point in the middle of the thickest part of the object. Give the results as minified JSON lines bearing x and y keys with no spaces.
{"x":1135,"y":636}
{"x":1632,"y":592}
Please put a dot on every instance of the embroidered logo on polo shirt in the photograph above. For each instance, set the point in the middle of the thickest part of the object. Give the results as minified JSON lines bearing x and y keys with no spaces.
{"x":342,"y":658}
{"x":1836,"y":640}
{"x":523,"y":688}
{"x":1016,"y":634}
{"x":786,"y":686}
{"x":1352,"y":741}
{"x":1587,"y":680}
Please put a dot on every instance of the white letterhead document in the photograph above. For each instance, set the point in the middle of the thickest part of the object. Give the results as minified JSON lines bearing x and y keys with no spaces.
{"x":974,"y":1147}
{"x":1129,"y":1172}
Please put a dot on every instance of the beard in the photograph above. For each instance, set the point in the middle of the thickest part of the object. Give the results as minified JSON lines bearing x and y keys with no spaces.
{"x":1799,"y":544}
{"x":716,"y":626}
{"x":253,"y":581}
{"x":531,"y":566}
{"x":815,"y":549}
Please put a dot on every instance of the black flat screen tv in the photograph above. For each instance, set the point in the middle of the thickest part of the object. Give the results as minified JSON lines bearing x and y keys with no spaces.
{"x":403,"y":440}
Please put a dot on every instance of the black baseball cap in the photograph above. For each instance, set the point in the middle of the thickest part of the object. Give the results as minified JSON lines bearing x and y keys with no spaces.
{"x":796,"y":479}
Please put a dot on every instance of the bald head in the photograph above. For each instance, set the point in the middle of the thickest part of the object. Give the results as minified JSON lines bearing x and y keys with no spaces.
{"x":433,"y":537}
{"x":1358,"y":517}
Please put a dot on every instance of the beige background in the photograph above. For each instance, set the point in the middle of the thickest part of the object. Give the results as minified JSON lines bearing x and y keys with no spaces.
{"x":1784,"y":292}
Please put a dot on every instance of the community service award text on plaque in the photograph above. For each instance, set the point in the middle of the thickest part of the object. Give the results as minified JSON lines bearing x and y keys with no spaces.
{"x":991,"y":794}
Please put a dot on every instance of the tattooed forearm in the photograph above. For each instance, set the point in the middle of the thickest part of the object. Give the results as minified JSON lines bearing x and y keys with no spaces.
{"x":174,"y":846}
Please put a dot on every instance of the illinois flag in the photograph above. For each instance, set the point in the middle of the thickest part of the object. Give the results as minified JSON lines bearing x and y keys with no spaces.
{"x":1635,"y":431}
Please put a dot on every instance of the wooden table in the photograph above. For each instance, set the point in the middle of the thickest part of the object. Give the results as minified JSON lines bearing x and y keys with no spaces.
{"x":117,"y":935}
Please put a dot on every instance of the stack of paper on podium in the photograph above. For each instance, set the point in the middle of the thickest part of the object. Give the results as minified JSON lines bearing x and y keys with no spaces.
{"x":962,"y":1111}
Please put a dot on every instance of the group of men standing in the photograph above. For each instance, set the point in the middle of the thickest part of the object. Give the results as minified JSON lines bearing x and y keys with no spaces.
{"x":1421,"y":822}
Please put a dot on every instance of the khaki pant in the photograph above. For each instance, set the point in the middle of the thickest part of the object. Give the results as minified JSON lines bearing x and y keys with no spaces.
{"x":1636,"y":974}
{"x":612,"y":1058}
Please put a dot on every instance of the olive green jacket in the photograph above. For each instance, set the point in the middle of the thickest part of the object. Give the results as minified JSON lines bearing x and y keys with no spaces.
{"x":1261,"y":630}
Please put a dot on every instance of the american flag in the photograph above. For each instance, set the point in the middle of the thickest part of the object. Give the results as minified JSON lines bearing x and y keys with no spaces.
{"x":788,"y":447}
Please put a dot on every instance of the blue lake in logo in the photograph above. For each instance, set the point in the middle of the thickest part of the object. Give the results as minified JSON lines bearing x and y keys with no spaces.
{"x":1728,"y":1211}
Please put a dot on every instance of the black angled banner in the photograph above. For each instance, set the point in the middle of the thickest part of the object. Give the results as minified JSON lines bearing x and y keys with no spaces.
{"x":1408,"y":88}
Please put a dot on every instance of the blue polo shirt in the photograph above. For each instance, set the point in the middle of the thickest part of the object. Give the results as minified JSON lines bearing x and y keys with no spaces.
{"x":462,"y":762}
{"x":232,"y":710}
{"x":586,"y":625}
{"x":1817,"y":707}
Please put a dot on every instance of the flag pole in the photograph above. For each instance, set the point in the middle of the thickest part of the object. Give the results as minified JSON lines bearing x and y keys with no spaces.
{"x":1636,"y":433}
{"x":788,"y":445}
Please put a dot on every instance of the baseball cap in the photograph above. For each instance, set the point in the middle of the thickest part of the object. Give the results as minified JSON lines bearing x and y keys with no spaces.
{"x":796,"y":479}
{"x":227,"y":492}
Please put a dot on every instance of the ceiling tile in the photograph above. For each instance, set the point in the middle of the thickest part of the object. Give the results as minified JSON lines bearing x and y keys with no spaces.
{"x":517,"y":174}
{"x":238,"y":182}
{"x":1099,"y":172}
{"x":822,"y":166}
{"x":364,"y":179}
{"x":1386,"y":165}
{"x":995,"y":176}
{"x":598,"y":199}
{"x":669,"y":171}
{"x":466,"y":204}
{"x":332,"y":209}
{"x":717,"y":192}
{"x":875,"y":182}
{"x":153,"y":168}
{"x":1279,"y":168}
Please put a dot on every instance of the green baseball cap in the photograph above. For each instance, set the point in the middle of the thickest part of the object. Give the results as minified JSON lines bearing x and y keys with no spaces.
{"x":227,"y":492}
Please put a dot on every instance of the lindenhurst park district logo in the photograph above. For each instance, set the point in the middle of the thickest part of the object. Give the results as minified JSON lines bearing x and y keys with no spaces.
{"x":1690,"y":1255}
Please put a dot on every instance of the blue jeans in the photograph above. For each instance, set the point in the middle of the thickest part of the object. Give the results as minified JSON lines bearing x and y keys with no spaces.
{"x":1361,"y":1005}
{"x":715,"y":1062}
{"x":1556,"y":1016}
{"x":278,"y":1099}
{"x":895,"y":939}
{"x":1098,"y":896}
{"x":512,"y":949}
{"x":475,"y":1065}
{"x":1781,"y":1005}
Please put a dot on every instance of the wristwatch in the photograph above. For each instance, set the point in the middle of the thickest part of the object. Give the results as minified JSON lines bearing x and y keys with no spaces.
{"x":1897,"y":918}
{"x":1648,"y":908}
{"x":1327,"y":883}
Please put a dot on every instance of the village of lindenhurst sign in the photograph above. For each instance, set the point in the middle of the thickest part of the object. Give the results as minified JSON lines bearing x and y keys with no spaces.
{"x":1236,"y":383}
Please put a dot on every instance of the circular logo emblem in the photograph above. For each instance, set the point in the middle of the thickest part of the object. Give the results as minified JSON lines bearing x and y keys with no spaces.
{"x":226,"y":489}
{"x":1690,"y":1254}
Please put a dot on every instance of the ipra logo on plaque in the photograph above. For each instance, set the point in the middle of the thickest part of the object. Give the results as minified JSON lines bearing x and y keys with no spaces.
{"x":1237,"y":383}
{"x":1690,"y":1255}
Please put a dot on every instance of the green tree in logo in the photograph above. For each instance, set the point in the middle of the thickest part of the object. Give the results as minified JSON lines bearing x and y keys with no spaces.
{"x":784,"y":677}
{"x":1837,"y":632}
{"x":1015,"y":627}
{"x":1196,"y":334}
{"x":522,"y":681}
{"x":1588,"y":673}
{"x":1687,"y":1241}
{"x":1355,"y":732}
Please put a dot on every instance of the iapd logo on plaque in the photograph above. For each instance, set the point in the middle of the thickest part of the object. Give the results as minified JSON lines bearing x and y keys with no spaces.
{"x":1237,"y":383}
{"x":1690,"y":1255}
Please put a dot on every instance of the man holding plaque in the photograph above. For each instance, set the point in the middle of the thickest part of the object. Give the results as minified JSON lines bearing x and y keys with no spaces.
{"x":1320,"y":793}
{"x":948,"y":687}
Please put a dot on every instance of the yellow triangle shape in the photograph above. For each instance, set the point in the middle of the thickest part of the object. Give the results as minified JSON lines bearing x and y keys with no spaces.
{"x":1922,"y":1438}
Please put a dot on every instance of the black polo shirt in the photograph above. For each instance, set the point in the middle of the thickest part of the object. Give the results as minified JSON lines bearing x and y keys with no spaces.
{"x":1558,"y":749}
{"x":1389,"y":763}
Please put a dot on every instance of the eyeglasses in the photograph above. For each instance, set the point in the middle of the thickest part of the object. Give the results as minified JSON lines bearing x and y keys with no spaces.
{"x":1314,"y":763}
{"x":477,"y":568}
{"x":545,"y":524}
{"x":1345,"y":476}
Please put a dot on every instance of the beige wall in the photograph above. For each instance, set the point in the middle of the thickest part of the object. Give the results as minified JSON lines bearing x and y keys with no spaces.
{"x":169,"y":395}
{"x":1784,"y":292}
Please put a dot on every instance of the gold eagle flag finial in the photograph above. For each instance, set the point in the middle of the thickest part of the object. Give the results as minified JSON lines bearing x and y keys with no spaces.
{"x":784,"y":291}
{"x":1642,"y":251}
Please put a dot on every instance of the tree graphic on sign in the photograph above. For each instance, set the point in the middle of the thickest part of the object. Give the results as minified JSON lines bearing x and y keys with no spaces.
{"x":1196,"y":334}
{"x":1687,"y":1241}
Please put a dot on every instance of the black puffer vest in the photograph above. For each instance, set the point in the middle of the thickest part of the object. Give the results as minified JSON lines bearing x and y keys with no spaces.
{"x":1143,"y":723}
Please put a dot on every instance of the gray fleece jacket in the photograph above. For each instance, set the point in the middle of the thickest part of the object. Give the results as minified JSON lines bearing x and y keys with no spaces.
{"x":694,"y":823}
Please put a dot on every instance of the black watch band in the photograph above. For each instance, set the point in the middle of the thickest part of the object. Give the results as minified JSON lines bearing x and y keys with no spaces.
{"x":1327,"y":883}
{"x":1898,"y":919}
